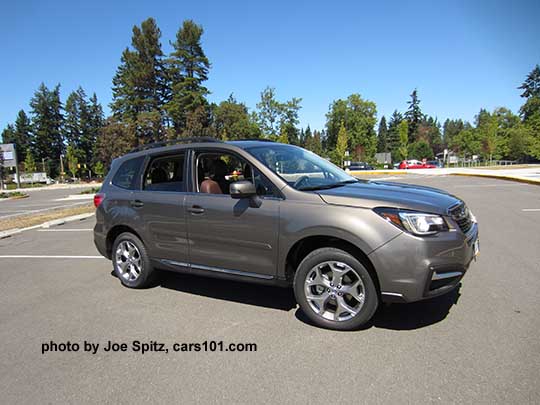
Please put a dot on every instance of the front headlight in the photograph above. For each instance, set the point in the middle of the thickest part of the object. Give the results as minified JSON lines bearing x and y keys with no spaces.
{"x":417,"y":223}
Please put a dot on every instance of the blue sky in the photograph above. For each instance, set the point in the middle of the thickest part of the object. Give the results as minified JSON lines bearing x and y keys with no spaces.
{"x":460,"y":55}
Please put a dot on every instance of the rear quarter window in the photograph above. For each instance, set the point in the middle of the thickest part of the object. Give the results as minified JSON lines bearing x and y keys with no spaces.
{"x":127,"y":173}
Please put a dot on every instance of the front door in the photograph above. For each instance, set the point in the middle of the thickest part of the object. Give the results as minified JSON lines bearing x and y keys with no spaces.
{"x":235,"y":236}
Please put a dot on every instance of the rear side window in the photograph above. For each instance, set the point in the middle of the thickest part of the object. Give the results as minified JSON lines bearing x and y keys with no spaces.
{"x":126,"y":175}
{"x":166,"y":173}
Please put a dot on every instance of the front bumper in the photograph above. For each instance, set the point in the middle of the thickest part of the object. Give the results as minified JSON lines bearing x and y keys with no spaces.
{"x":413,"y":268}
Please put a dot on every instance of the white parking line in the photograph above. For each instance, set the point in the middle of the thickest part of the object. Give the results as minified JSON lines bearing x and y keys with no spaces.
{"x":530,"y":209}
{"x":66,"y":230}
{"x":48,"y":257}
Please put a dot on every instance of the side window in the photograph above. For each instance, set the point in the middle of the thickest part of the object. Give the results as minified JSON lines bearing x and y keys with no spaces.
{"x":126,"y":175}
{"x":216,"y":171}
{"x":165,"y":173}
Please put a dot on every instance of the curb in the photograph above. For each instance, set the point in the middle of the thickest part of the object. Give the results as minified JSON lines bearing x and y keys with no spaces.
{"x":499,"y":177}
{"x":62,"y":221}
{"x":46,"y":225}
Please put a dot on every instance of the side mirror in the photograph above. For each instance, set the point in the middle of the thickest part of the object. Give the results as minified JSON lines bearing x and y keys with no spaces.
{"x":242,"y":189}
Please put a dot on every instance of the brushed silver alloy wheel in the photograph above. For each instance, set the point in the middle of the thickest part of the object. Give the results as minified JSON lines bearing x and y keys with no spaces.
{"x":335,"y":291}
{"x":128,"y":261}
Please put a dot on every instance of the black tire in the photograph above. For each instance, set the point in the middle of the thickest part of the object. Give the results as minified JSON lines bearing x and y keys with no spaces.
{"x":371,"y":296}
{"x":147,"y":273}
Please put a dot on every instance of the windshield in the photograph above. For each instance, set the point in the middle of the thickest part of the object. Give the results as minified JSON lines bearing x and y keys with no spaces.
{"x":300,"y":168}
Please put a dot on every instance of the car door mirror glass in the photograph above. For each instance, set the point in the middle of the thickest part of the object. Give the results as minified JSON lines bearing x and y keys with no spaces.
{"x":242,"y":189}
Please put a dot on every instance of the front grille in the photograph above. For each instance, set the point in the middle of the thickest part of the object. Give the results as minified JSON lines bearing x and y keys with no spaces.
{"x":461,"y":214}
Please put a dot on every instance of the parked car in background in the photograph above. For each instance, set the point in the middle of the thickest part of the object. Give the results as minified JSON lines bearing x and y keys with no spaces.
{"x":360,"y":166}
{"x":415,"y":164}
{"x":437,"y":163}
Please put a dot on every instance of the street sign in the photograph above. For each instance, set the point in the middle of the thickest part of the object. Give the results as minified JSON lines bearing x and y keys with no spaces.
{"x":8,"y":152}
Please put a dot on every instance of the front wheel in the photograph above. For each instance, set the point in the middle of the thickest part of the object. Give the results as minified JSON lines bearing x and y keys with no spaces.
{"x":335,"y":290}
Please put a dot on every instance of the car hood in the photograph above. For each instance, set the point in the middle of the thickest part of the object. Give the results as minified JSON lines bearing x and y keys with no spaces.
{"x":371,"y":194}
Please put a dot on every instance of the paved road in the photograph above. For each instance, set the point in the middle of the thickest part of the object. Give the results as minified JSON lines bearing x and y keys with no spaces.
{"x":477,"y":345}
{"x":39,"y":200}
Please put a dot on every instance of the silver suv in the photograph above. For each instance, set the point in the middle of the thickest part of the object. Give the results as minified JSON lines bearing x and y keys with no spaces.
{"x":277,"y":214}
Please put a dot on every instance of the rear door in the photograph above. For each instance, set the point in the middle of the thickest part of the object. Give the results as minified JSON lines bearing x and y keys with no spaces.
{"x":161,"y":206}
{"x":226,"y":235}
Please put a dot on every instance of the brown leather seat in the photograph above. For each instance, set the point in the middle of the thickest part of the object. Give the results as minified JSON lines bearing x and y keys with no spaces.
{"x":210,"y":187}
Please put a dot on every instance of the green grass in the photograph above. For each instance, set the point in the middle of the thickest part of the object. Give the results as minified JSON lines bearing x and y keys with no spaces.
{"x":93,"y":190}
{"x":13,"y":194}
{"x":13,"y":186}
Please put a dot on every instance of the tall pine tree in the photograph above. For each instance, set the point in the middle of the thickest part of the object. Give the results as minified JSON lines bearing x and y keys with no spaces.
{"x":188,"y":70}
{"x":382,"y":135}
{"x":414,"y":116}
{"x":140,"y":84}
{"x":47,"y":121}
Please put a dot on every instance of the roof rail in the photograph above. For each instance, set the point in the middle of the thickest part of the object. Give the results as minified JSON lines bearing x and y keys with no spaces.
{"x":159,"y":144}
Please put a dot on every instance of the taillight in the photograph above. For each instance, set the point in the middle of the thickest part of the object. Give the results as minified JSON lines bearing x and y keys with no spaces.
{"x":98,"y":199}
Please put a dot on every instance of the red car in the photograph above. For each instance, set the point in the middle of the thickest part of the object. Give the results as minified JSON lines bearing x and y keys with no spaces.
{"x":415,"y":164}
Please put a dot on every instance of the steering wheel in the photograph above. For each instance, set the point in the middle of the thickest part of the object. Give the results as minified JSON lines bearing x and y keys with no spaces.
{"x":299,"y":181}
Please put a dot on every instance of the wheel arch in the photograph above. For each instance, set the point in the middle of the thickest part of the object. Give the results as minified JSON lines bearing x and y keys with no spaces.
{"x":113,"y":234}
{"x":299,"y":250}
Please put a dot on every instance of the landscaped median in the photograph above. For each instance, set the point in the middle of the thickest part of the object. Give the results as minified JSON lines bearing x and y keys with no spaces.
{"x":14,"y":195}
{"x":25,"y":221}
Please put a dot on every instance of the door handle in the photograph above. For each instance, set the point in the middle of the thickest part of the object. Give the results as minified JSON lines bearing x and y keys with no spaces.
{"x":136,"y":203}
{"x":196,"y":209}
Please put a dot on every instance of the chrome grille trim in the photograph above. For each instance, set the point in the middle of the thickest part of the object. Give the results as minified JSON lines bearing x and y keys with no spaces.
{"x":461,"y":214}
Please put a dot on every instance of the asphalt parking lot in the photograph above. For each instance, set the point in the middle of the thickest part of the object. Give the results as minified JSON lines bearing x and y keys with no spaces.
{"x":478,"y":344}
{"x":40,"y":200}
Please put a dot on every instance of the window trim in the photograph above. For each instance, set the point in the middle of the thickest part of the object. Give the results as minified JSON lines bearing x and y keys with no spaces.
{"x":151,"y":157}
{"x":194,"y":155}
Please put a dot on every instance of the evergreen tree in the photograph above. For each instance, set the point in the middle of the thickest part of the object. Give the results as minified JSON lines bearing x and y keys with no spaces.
{"x":305,"y":136}
{"x":8,"y":134}
{"x":317,"y":143}
{"x":403,"y":131}
{"x":75,"y":108}
{"x":93,"y":128}
{"x":393,"y":134}
{"x":414,"y":116}
{"x":188,"y":70}
{"x":140,"y":84}
{"x":420,"y":150}
{"x":22,"y":135}
{"x":29,"y":163}
{"x":430,"y":132}
{"x":382,"y":135}
{"x":451,"y":128}
{"x":47,"y":121}
{"x":82,"y":122}
{"x":531,"y":85}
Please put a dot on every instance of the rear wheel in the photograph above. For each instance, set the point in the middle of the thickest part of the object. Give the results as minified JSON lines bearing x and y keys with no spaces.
{"x":131,"y":262}
{"x":335,"y":290}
